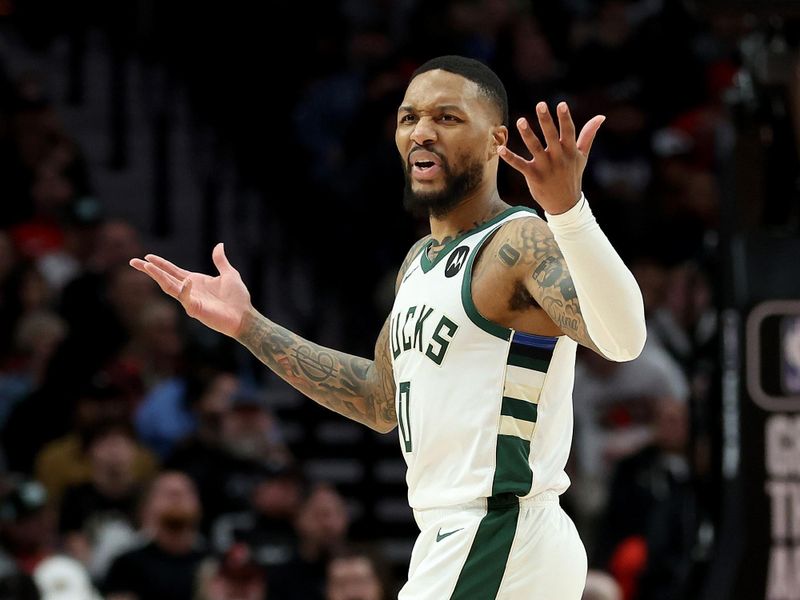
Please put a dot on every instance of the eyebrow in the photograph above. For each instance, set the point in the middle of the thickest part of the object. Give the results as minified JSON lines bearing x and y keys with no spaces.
{"x":442,"y":107}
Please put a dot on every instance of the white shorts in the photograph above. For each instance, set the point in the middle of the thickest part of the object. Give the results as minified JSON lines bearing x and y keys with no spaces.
{"x":510,"y":550}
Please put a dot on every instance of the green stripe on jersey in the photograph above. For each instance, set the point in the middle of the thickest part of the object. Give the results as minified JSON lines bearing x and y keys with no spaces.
{"x":519,"y":409}
{"x":512,"y":473}
{"x":526,"y":362}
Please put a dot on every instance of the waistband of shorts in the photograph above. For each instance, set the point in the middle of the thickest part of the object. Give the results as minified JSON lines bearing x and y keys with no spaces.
{"x":498,"y":502}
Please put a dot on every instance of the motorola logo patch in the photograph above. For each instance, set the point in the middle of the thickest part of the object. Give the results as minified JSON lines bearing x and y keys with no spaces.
{"x":456,"y":261}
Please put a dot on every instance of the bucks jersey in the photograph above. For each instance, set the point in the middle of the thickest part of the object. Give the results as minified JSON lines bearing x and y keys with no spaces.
{"x":482,"y":409}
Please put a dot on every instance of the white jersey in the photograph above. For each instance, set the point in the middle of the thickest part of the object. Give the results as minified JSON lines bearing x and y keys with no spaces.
{"x":482,"y":409}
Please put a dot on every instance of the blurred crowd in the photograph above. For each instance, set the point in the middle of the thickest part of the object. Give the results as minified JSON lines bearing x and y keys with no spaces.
{"x":138,"y":460}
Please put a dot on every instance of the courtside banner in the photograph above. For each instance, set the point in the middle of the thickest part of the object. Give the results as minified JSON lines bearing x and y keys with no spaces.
{"x":770,"y":457}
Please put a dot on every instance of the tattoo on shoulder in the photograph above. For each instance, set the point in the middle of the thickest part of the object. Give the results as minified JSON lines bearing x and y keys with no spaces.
{"x":532,"y":245}
{"x":508,"y":254}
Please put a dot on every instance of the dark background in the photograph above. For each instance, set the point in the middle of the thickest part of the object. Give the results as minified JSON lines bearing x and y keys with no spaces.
{"x":271,"y":129}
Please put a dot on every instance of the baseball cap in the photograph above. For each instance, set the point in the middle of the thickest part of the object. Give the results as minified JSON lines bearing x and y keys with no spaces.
{"x":26,"y":497}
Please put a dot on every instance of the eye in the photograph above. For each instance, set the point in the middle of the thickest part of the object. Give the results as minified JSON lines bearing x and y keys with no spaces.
{"x":407,"y":118}
{"x":447,"y":118}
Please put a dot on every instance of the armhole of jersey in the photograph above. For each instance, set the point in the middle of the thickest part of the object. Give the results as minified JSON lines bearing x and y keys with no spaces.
{"x":504,"y":333}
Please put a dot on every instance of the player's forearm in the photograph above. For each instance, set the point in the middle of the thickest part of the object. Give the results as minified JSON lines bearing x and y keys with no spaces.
{"x":349,"y":385}
{"x":610,"y":299}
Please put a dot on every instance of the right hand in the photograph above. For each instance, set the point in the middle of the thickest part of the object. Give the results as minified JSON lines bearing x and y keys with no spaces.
{"x":218,"y":302}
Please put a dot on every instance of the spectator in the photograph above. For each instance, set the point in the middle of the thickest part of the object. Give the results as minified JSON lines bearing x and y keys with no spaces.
{"x":98,"y":516}
{"x":321,"y":525}
{"x":650,"y":525}
{"x":201,"y":454}
{"x":612,"y":416}
{"x":64,"y":462}
{"x":267,"y":527}
{"x":83,"y":297}
{"x":236,"y":576}
{"x":80,"y":227}
{"x":237,"y":440}
{"x":357,"y":574}
{"x":36,"y":337}
{"x":27,"y":532}
{"x":165,"y":566}
{"x":251,"y":431}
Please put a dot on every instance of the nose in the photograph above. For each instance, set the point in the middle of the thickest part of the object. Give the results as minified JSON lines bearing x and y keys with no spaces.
{"x":424,"y":132}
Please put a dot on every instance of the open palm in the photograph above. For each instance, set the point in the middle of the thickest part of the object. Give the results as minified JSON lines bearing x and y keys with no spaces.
{"x":218,"y":302}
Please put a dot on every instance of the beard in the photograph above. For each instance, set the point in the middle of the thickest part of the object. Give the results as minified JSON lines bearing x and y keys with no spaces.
{"x":439,"y":203}
{"x":177,"y":519}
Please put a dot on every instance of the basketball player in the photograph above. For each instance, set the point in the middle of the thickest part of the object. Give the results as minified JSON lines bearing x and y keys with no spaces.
{"x":475,"y":363}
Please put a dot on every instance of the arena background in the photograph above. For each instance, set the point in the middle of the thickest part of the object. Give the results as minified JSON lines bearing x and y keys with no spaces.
{"x":166,"y":127}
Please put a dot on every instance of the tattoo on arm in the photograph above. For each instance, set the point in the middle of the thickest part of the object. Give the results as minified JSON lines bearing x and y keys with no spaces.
{"x":355,"y":387}
{"x":531,"y":246}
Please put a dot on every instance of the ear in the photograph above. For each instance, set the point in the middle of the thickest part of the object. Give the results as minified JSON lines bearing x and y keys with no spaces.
{"x":499,"y":138}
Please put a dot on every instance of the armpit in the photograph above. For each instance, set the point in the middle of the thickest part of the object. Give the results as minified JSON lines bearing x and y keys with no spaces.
{"x":528,"y":248}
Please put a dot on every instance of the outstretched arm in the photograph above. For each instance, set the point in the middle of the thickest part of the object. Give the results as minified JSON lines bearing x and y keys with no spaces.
{"x":360,"y":389}
{"x":577,"y":276}
{"x":355,"y":387}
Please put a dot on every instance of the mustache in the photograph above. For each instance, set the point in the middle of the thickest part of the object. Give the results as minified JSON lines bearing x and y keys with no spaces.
{"x":431,"y":151}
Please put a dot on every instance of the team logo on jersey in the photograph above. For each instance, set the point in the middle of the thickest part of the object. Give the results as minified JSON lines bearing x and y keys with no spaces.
{"x":456,"y":261}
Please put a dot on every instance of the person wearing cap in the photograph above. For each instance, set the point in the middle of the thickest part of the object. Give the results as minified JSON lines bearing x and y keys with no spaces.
{"x":28,"y":536}
{"x":27,"y":532}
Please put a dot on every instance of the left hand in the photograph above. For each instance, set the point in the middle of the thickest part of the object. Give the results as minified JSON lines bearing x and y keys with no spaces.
{"x":554,"y":172}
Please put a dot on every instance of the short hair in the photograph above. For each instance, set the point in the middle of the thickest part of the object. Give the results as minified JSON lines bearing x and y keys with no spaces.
{"x":487,"y":80}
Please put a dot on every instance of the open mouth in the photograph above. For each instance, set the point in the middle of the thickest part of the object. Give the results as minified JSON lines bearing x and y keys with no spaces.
{"x":425,"y":165}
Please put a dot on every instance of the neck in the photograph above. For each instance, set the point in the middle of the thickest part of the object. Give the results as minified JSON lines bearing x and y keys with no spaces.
{"x":469,"y":214}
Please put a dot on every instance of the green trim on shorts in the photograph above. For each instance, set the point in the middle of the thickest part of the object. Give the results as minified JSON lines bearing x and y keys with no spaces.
{"x":483,"y":571}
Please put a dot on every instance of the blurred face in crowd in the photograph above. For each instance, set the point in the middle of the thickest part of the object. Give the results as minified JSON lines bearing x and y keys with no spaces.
{"x":34,"y":291}
{"x":51,"y":190}
{"x":112,"y":456}
{"x":247,"y":431}
{"x":323,"y":519}
{"x":447,"y":135}
{"x":214,"y":405}
{"x":277,"y":497}
{"x":38,"y":334}
{"x":128,"y":292}
{"x":671,"y":424}
{"x":353,"y":578}
{"x":232,"y":588}
{"x":237,"y":577}
{"x":172,"y":505}
{"x":158,"y":329}
{"x":117,"y":243}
